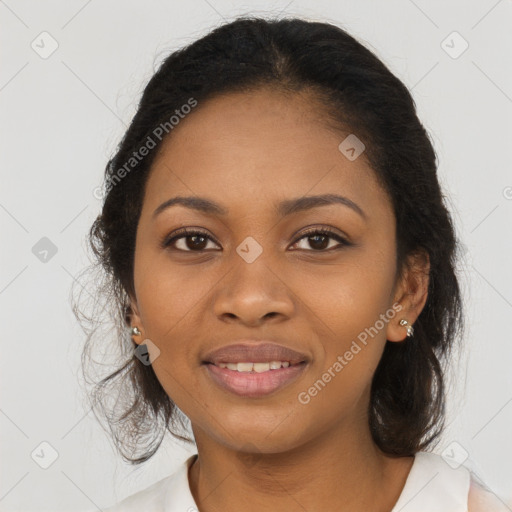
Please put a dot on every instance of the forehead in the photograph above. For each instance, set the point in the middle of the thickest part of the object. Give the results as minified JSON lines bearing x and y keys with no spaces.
{"x":261,"y":146}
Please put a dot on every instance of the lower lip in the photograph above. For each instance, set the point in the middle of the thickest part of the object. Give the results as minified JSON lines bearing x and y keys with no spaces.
{"x":252,"y":384}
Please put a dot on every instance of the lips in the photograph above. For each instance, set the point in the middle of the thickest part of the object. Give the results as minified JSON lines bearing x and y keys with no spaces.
{"x":254,"y":385}
{"x":254,"y":352}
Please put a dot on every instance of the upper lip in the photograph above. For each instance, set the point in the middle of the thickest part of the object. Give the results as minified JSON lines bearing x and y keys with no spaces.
{"x":254,"y":352}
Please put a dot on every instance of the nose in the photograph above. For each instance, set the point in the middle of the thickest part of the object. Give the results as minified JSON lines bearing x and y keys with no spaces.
{"x":253,"y":293}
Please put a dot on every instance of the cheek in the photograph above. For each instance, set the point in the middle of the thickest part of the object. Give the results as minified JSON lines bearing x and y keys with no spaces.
{"x":167,"y":294}
{"x":351,"y":307}
{"x":170,"y":301}
{"x":350,"y":296}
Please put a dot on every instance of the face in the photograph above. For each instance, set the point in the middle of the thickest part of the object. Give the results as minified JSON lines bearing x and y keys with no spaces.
{"x":262,"y":270}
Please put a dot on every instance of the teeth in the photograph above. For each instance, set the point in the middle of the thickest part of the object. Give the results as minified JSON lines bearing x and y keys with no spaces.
{"x":261,"y":367}
{"x":256,"y":367}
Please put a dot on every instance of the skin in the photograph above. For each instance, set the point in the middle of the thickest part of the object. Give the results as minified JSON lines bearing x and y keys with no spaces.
{"x":248,"y":152}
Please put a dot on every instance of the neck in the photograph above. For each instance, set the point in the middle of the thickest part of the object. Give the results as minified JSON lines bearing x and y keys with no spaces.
{"x":340,"y":470}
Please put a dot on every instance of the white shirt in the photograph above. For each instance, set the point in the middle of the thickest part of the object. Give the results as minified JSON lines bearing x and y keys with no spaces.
{"x":431,"y":486}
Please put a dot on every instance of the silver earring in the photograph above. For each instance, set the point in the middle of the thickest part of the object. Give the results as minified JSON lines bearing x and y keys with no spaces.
{"x":135,"y":331}
{"x":410,"y":328}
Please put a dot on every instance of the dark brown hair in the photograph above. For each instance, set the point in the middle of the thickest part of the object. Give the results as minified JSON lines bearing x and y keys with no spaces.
{"x":359,"y":95}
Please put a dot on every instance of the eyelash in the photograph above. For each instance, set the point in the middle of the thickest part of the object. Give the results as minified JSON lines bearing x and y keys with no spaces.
{"x":188,"y":232}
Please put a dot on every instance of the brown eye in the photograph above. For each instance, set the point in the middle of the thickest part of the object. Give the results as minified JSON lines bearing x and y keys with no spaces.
{"x":319,"y":240}
{"x":193,"y":240}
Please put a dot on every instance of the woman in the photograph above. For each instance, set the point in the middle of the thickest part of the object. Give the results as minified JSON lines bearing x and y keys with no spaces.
{"x":275,"y":239}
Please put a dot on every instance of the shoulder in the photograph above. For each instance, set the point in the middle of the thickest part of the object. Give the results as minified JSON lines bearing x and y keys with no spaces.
{"x":481,"y":499}
{"x":151,"y":498}
{"x":443,"y":484}
{"x":170,"y":494}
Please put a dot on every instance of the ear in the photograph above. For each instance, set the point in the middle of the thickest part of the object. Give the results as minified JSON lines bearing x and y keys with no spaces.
{"x":134,"y":319}
{"x":411,"y":293}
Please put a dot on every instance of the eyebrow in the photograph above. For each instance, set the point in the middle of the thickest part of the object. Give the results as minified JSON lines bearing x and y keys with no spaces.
{"x":283,"y":209}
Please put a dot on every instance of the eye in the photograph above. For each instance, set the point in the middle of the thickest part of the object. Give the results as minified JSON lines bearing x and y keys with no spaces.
{"x":319,"y":239}
{"x":194,"y":240}
{"x":197,"y":238}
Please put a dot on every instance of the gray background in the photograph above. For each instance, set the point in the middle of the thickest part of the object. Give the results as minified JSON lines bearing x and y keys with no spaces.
{"x":62,"y":116}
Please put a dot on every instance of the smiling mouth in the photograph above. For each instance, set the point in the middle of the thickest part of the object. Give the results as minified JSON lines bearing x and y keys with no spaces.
{"x":253,"y":380}
{"x":260,"y":367}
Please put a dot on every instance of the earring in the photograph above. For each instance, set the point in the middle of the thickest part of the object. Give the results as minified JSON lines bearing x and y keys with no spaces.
{"x":135,"y":331}
{"x":410,"y":328}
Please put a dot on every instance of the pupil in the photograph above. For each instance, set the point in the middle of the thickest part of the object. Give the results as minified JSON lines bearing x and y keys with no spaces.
{"x":195,"y":245}
{"x":315,"y":238}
